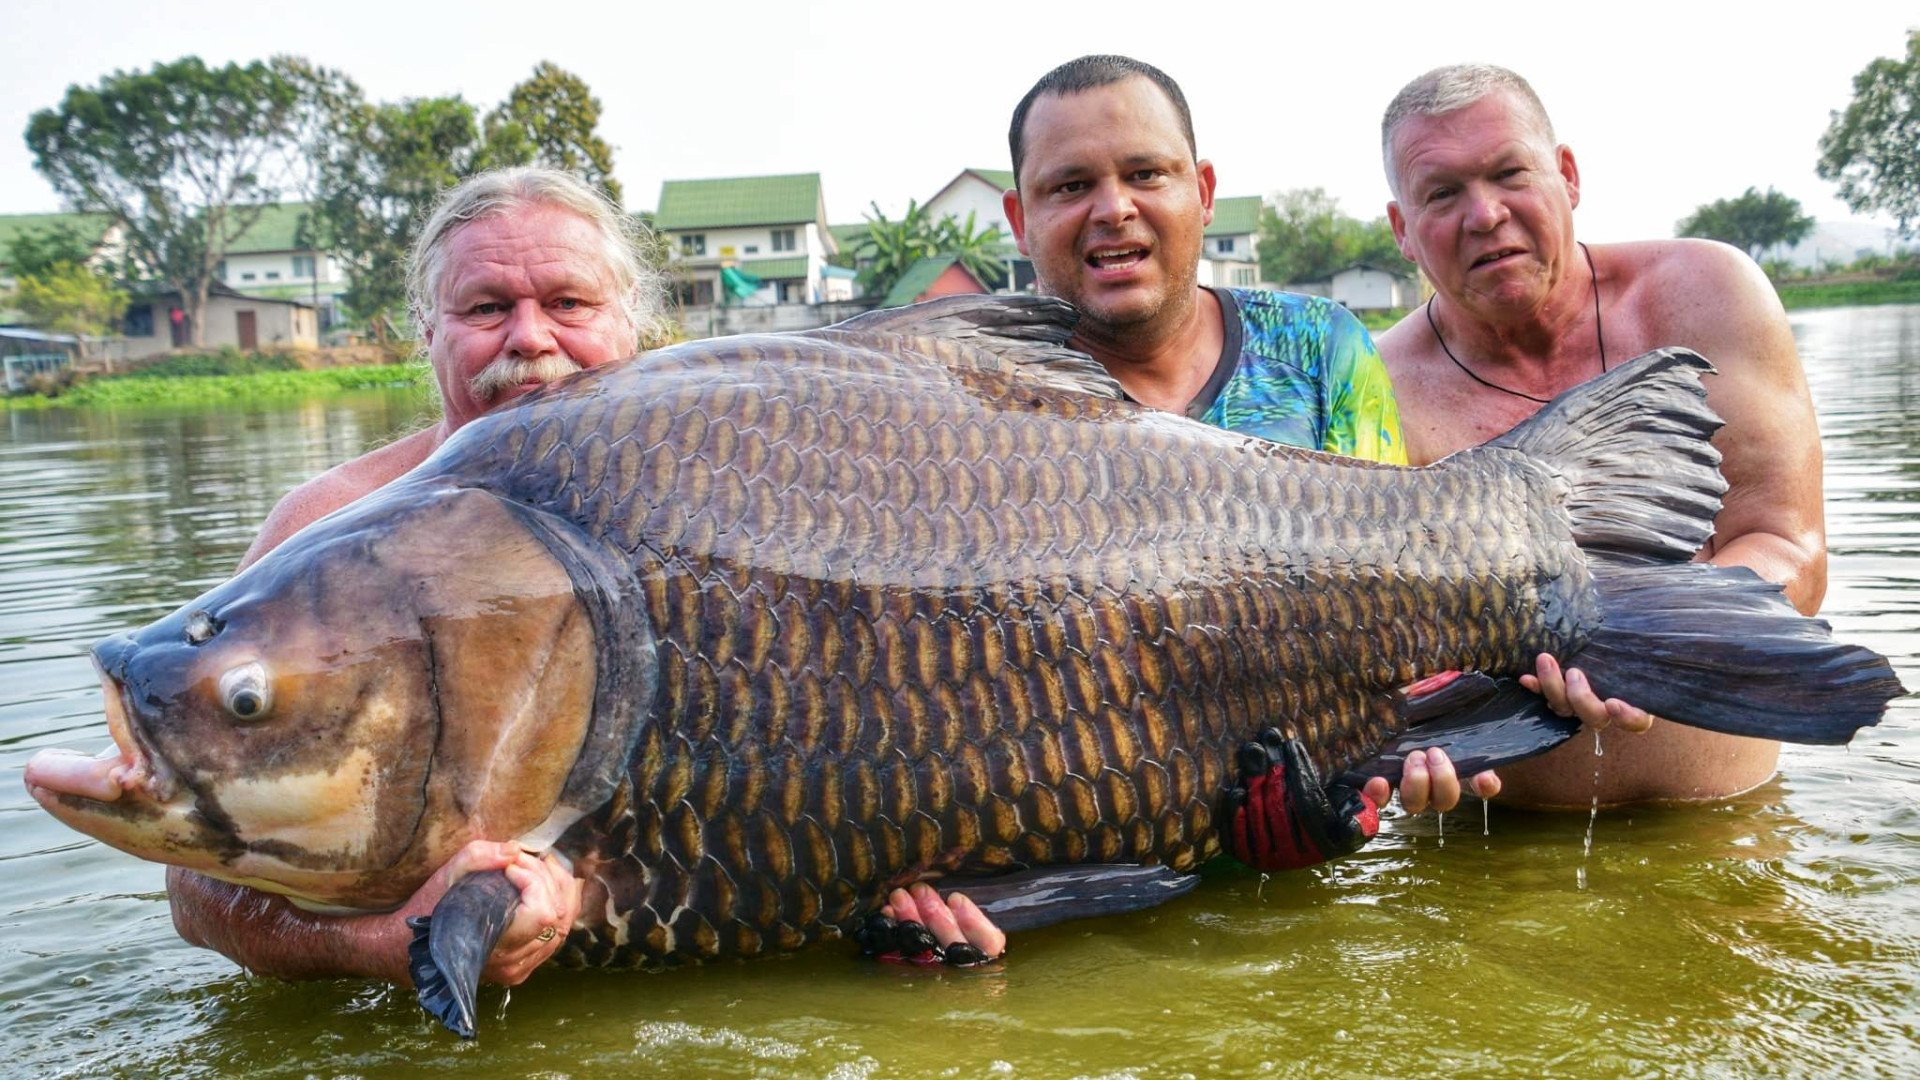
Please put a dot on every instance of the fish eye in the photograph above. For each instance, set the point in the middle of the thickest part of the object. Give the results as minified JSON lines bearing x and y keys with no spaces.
{"x":244,"y":692}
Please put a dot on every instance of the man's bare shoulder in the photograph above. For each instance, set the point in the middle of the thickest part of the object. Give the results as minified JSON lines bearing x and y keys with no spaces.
{"x":1402,"y":340}
{"x":338,"y":486}
{"x":1687,"y":285}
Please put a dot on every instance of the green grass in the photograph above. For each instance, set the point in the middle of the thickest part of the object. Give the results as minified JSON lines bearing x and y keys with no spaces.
{"x":178,"y":388}
{"x":1848,"y":293}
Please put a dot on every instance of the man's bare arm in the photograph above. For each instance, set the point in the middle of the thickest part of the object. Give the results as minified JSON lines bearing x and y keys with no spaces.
{"x":266,"y":934}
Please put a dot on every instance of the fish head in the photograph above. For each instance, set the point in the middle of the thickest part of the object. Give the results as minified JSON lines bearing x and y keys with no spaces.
{"x":335,"y":722}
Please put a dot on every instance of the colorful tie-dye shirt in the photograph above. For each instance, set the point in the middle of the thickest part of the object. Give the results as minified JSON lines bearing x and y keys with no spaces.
{"x":1301,"y":370}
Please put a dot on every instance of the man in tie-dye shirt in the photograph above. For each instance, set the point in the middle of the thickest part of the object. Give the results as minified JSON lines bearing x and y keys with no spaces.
{"x":1111,"y":204}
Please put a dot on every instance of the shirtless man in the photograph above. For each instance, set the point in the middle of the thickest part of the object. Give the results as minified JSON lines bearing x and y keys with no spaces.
{"x":1483,"y":201}
{"x":520,"y":276}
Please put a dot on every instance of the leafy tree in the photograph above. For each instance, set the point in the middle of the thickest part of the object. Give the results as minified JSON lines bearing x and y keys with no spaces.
{"x":1873,"y":149}
{"x":1304,"y":237}
{"x":890,"y":247}
{"x":1753,"y":222}
{"x":36,"y":252}
{"x":379,"y":170}
{"x":550,"y":119}
{"x":184,"y":158}
{"x":68,"y":298}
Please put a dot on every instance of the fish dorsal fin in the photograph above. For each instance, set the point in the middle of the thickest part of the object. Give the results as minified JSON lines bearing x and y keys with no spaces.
{"x":1027,"y":334}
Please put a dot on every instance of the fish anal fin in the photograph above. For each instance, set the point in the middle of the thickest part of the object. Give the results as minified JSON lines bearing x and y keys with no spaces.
{"x":1027,"y":899}
{"x":1491,"y":724}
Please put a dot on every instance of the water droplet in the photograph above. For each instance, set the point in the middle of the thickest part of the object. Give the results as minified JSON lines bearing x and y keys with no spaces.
{"x":1486,"y":818}
{"x":1598,"y":750}
{"x":1440,"y":824}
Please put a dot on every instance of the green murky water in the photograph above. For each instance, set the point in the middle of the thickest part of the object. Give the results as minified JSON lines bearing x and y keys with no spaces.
{"x":1778,"y":934}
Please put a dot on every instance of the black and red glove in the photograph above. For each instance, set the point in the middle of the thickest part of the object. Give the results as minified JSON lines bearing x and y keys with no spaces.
{"x":1283,"y":817}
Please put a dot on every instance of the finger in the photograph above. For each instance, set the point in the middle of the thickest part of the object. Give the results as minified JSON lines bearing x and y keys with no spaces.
{"x":936,"y":915}
{"x":1486,"y":784}
{"x":1585,"y":703}
{"x":1443,"y":783}
{"x":1377,"y":791}
{"x":904,"y":909}
{"x":1413,"y":783}
{"x":974,"y":924}
{"x":1628,"y":717}
{"x":1550,"y":683}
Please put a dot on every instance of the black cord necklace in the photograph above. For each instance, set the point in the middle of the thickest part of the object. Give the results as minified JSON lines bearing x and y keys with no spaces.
{"x":1592,"y":275}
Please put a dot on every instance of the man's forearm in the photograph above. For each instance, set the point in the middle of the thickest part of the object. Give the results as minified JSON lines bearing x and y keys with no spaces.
{"x":267,"y":935}
{"x":1800,"y":571}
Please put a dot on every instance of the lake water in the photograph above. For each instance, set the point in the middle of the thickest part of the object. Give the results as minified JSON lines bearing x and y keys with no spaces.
{"x":1776,"y":934}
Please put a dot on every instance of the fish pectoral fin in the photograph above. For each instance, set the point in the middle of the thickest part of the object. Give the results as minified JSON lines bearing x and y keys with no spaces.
{"x":450,"y":947}
{"x":1489,"y":726}
{"x":1027,"y":899}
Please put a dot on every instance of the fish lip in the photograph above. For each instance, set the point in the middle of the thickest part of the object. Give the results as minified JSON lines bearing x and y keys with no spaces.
{"x":142,"y":767}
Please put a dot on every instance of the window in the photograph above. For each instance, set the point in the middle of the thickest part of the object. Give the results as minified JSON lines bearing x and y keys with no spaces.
{"x":696,"y":293}
{"x":273,"y":275}
{"x":693,"y":244}
{"x":139,"y":321}
{"x":1243,"y":276}
{"x":220,"y":270}
{"x":793,"y":292}
{"x":248,"y":276}
{"x":1224,"y":245}
{"x":783,"y":239}
{"x":303,"y":266}
{"x":750,"y":249}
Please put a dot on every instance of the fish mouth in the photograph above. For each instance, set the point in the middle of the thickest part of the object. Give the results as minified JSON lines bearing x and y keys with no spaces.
{"x":129,"y":765}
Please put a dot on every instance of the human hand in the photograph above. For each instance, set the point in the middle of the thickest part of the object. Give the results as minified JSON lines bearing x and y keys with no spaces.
{"x":1428,"y":781}
{"x":1569,"y":694}
{"x":962,"y":930}
{"x":549,"y":905}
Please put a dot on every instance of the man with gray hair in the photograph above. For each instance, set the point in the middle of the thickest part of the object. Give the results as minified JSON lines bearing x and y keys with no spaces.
{"x":1483,"y":201}
{"x":519,"y":277}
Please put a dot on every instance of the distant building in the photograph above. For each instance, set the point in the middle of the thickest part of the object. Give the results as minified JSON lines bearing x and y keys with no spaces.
{"x":268,"y":260}
{"x":156,"y":324}
{"x":1229,"y":252}
{"x":772,"y":230}
{"x":978,"y":192}
{"x":928,"y":278}
{"x":25,"y":353}
{"x":94,"y":230}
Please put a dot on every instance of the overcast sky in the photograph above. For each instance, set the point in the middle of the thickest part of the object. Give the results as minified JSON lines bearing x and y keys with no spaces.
{"x":1667,"y":105}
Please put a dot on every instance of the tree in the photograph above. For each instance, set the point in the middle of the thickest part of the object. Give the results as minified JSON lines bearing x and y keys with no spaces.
{"x":184,"y":158}
{"x":1304,"y":237}
{"x":890,"y":247}
{"x":1753,"y":222}
{"x":379,"y":171}
{"x":1873,"y":149}
{"x":550,"y":119}
{"x":36,"y":252}
{"x":68,"y":298}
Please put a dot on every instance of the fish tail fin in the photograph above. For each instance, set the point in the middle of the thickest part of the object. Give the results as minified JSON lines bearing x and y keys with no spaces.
{"x":1721,"y":648}
{"x":1713,"y":647}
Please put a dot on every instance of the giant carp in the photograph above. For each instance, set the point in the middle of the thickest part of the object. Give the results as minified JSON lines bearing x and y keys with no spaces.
{"x":752,"y":629}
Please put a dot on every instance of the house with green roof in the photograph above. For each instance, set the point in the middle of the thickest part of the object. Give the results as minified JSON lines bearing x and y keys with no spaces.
{"x":750,"y":241}
{"x":95,"y":230}
{"x":978,"y":192}
{"x":268,"y":260}
{"x":1229,"y":254}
